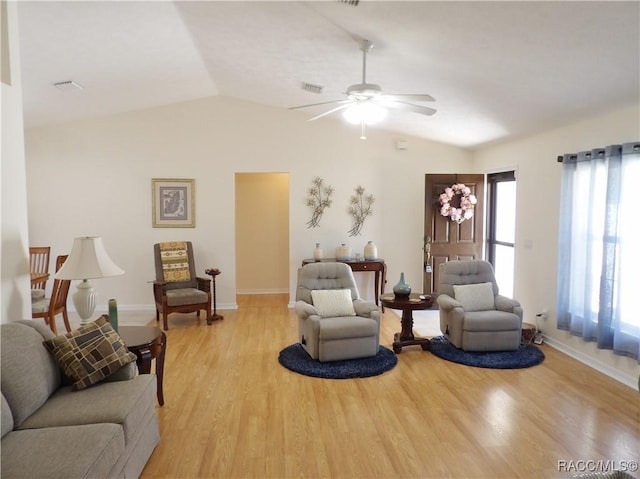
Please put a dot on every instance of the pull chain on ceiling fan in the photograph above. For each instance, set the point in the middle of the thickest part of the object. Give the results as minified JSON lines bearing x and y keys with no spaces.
{"x":366,"y":104}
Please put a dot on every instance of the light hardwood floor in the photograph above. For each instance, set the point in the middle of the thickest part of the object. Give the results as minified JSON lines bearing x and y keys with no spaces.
{"x":231,"y":411}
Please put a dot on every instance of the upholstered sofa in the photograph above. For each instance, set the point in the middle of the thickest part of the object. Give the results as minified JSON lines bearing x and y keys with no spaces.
{"x":49,"y":430}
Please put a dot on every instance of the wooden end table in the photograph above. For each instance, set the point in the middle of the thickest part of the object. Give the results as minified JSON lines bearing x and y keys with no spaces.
{"x":407,"y":305}
{"x":147,"y":343}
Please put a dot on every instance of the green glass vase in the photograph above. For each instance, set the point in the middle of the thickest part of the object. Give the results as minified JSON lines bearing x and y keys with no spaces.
{"x":402,"y":289}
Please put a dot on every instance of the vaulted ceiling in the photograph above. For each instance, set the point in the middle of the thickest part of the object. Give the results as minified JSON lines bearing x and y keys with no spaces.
{"x":497,"y":70}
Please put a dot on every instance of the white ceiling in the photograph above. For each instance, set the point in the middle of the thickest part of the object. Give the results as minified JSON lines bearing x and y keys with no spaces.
{"x":497,"y":70}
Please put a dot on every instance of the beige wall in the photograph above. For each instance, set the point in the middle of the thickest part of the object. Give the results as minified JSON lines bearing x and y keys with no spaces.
{"x":15,"y":302}
{"x":538,"y":215}
{"x":262,"y":232}
{"x":94,"y":178}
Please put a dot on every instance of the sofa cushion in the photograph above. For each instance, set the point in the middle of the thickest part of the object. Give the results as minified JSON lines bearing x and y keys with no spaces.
{"x":332,"y":303}
{"x":180,"y":297}
{"x":123,"y":402}
{"x":6,"y":419}
{"x":491,"y":321}
{"x":475,"y":297}
{"x":88,"y":451}
{"x":37,"y":294}
{"x":91,"y":353}
{"x":29,"y":374}
{"x":346,"y":328}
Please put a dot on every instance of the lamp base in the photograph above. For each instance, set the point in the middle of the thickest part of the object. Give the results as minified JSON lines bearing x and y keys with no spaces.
{"x":84,"y":299}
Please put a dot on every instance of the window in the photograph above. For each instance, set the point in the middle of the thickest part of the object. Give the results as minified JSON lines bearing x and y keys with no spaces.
{"x":501,"y":228}
{"x":597,"y":254}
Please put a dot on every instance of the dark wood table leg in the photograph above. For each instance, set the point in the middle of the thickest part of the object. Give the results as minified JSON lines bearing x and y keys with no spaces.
{"x":160,"y":368}
{"x":384,"y":281}
{"x":144,"y":360}
{"x":147,"y":343}
{"x":406,"y":337}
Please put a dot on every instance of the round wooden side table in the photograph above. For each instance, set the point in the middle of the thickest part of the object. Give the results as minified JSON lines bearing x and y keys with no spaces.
{"x":407,"y":305}
{"x":147,"y":343}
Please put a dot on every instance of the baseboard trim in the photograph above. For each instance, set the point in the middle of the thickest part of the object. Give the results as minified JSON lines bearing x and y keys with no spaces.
{"x":145,"y":308}
{"x":613,"y":373}
{"x":262,"y":291}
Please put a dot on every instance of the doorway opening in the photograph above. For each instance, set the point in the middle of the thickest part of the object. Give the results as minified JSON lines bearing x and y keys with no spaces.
{"x":501,"y":228}
{"x":262,"y":233}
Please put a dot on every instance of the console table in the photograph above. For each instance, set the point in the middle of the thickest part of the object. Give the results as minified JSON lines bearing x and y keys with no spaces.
{"x":377,"y":266}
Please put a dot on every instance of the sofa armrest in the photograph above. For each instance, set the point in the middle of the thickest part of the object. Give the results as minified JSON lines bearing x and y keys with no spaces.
{"x":364,"y":308}
{"x":447,"y":303}
{"x":304,"y":310}
{"x":506,"y":304}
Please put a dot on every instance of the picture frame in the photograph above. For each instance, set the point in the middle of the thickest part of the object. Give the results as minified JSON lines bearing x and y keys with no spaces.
{"x":173,"y":202}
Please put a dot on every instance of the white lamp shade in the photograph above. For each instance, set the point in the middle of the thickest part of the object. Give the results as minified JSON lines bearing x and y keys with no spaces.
{"x":88,"y":259}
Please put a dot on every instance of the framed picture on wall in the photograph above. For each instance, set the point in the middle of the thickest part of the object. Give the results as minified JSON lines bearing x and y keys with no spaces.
{"x":173,"y":203}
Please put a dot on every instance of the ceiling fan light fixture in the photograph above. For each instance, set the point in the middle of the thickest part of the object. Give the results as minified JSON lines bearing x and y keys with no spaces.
{"x":365,"y":112}
{"x":366,"y":104}
{"x":363,"y":91}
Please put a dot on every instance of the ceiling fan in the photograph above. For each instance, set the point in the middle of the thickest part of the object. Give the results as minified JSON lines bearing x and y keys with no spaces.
{"x":366,"y":104}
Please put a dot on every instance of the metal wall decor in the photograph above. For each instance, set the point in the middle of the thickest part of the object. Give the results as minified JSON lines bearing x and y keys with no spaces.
{"x":319,"y":199}
{"x":359,"y":209}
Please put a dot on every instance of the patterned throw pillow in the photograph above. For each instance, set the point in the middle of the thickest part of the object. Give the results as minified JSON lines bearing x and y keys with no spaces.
{"x":91,"y":353}
{"x":475,"y":297}
{"x":332,"y":303}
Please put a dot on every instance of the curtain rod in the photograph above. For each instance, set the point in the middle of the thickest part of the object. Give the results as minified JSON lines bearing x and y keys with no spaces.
{"x":574,"y":156}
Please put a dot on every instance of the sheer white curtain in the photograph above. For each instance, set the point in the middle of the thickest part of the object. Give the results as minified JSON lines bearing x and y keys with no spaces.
{"x":599,"y":260}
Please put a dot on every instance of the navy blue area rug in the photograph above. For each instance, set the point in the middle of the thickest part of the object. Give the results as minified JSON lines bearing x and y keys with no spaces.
{"x":525,"y":356}
{"x":295,"y":358}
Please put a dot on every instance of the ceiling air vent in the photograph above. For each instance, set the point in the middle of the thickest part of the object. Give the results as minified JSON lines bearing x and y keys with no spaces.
{"x":353,"y":3}
{"x":312,"y":88}
{"x":68,"y":85}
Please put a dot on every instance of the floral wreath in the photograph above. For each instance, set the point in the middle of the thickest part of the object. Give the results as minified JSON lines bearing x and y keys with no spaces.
{"x":457,"y":202}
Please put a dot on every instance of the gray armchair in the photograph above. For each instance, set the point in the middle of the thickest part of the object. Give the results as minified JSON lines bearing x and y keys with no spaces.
{"x":473,"y":316}
{"x":333,"y":322}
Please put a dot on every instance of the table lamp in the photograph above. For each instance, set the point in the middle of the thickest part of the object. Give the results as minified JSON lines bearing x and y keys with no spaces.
{"x":88,"y":260}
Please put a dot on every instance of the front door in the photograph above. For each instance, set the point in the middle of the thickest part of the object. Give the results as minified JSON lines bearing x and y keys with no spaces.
{"x":445,"y":239}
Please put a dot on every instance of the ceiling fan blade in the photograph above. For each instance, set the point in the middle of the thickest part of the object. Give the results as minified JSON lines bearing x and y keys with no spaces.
{"x":321,"y":103}
{"x":407,"y":97}
{"x":401,"y":105}
{"x":338,"y":108}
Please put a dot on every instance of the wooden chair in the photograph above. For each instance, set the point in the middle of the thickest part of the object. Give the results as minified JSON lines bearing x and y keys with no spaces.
{"x":49,"y":308}
{"x":39,"y":265}
{"x":177,"y":289}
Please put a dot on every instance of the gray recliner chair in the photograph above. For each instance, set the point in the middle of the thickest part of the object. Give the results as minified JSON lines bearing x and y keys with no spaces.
{"x":473,"y":316}
{"x":333,"y":322}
